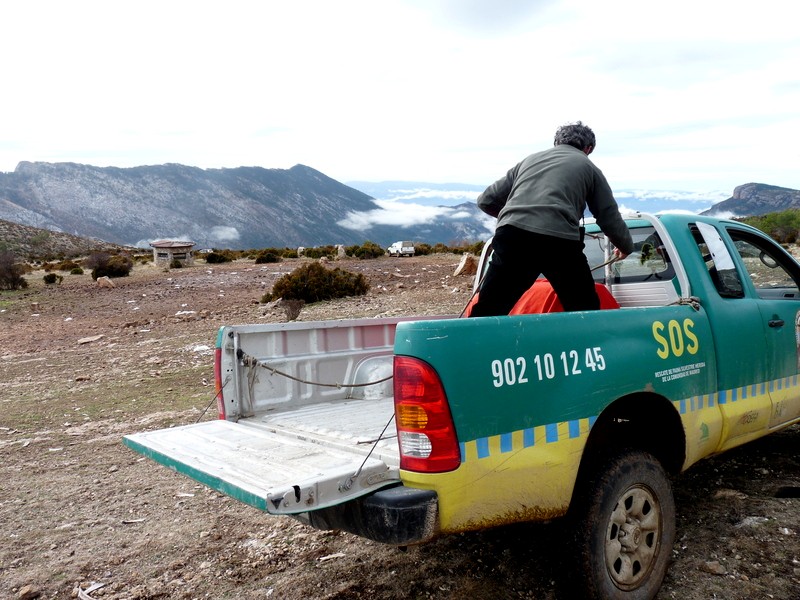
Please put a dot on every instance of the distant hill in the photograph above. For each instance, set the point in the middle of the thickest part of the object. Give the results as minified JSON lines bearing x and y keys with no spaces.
{"x":753,"y":199}
{"x":28,"y":242}
{"x":246,"y":207}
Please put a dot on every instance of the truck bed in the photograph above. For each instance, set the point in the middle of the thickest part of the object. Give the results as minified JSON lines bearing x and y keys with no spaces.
{"x":287,"y":447}
{"x":286,"y":463}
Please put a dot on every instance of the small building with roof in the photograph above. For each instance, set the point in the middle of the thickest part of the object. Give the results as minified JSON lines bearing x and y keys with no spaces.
{"x":167,"y":251}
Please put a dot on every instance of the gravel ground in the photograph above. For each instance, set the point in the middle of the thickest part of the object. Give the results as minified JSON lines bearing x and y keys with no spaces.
{"x":82,"y":366}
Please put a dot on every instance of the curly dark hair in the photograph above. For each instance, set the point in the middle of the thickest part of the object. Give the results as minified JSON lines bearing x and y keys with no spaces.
{"x":577,"y":135}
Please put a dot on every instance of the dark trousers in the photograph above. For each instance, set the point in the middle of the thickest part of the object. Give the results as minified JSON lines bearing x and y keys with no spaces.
{"x":520,"y":257}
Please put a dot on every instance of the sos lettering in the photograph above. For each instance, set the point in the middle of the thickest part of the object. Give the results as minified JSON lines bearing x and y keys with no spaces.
{"x":675,"y":338}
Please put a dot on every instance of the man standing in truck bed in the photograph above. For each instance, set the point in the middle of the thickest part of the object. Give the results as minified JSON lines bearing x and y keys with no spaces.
{"x":539,"y":205}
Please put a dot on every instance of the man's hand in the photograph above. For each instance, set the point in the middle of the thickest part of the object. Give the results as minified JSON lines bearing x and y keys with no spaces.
{"x":619,"y":254}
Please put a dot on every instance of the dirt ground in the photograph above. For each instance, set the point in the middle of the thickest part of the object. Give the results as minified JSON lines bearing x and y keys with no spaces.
{"x":82,"y":366}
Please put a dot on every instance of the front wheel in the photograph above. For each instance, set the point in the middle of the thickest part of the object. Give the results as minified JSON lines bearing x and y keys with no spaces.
{"x":624,"y":523}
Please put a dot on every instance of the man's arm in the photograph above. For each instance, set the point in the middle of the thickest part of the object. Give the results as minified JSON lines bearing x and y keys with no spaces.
{"x":494,"y":198}
{"x":606,"y":211}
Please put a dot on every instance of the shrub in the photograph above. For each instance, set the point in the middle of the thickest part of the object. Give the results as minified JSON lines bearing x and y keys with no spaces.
{"x":314,"y":282}
{"x":365,"y":250}
{"x":60,"y":265}
{"x":11,"y":273}
{"x":76,"y":271}
{"x":267,"y":256}
{"x":320,"y":251}
{"x":175,"y":264}
{"x":52,"y":278}
{"x":422,"y":249}
{"x":476,"y":248}
{"x":109,"y":265}
{"x":217,"y":258}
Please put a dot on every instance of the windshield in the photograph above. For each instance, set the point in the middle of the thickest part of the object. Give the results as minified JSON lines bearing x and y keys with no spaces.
{"x":648,"y":261}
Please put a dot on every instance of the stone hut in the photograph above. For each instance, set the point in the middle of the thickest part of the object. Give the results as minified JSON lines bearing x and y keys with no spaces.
{"x":166,"y":251}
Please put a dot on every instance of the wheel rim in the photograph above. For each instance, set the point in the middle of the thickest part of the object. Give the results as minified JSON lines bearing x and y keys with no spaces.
{"x":633,"y":537}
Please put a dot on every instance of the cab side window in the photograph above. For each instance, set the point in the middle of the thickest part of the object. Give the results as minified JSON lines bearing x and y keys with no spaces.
{"x":718,"y":261}
{"x":767,"y":267}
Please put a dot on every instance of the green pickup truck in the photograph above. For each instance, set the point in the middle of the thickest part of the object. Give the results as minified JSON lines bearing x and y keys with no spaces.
{"x":400,"y":430}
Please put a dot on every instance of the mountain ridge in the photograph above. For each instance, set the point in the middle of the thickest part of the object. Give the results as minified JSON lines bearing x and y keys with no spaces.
{"x":242,"y":207}
{"x":255,"y":207}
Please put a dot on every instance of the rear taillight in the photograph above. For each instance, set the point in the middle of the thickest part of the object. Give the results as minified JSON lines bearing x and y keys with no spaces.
{"x":218,"y":383}
{"x":428,"y":441}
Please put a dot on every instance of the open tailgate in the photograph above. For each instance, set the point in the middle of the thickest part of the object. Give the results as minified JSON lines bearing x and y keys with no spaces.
{"x":268,"y":469}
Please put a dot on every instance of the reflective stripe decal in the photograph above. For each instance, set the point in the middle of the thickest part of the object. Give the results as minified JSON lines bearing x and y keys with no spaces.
{"x":514,"y":441}
{"x":551,"y":433}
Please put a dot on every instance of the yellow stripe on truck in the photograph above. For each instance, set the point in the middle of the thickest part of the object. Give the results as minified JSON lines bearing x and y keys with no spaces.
{"x":540,"y":462}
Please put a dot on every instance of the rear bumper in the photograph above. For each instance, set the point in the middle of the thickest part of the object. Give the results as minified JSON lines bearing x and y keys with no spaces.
{"x":397,"y":515}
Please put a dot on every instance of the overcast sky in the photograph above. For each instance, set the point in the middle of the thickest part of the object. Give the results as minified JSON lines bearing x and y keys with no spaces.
{"x":698,"y":95}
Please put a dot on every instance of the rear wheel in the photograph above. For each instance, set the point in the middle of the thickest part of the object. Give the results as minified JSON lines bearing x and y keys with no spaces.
{"x":624,"y":523}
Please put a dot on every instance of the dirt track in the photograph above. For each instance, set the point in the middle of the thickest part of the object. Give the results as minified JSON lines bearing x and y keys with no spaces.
{"x":82,"y":366}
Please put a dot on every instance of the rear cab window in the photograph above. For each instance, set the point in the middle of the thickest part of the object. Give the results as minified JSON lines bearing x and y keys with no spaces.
{"x":649,"y":260}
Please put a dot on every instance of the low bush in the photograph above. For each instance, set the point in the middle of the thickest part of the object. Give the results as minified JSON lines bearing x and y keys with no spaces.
{"x":314,"y":282}
{"x":267,"y":256}
{"x":76,"y":271}
{"x":217,"y":257}
{"x":11,"y":273}
{"x":422,"y":249}
{"x":365,"y":250}
{"x":109,"y":265}
{"x":320,"y":251}
{"x":52,"y":278}
{"x":175,"y":264}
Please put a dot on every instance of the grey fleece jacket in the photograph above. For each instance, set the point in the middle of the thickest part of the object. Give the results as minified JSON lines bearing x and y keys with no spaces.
{"x":549,"y":191}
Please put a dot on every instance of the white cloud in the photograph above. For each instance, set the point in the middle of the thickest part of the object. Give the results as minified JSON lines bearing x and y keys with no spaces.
{"x":695,"y":96}
{"x":222,"y":233}
{"x":448,"y":195}
{"x":398,"y":214}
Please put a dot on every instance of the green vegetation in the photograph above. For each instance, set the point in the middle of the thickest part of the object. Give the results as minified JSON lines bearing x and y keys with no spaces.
{"x":783,"y":226}
{"x":314,"y":282}
{"x":365,"y":250}
{"x":51,"y":278}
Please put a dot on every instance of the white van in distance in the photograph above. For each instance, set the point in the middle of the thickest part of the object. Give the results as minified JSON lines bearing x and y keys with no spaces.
{"x":401,"y":249}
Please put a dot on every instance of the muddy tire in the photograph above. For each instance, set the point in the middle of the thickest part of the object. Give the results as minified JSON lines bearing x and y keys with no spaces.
{"x":624,"y":528}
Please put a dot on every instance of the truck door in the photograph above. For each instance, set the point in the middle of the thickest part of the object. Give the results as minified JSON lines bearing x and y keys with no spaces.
{"x":775,"y":281}
{"x":743,"y":354}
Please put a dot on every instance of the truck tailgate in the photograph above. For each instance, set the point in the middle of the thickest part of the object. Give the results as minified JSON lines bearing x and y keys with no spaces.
{"x":285,"y":463}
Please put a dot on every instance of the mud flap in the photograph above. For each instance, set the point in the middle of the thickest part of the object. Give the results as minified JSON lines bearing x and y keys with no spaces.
{"x":397,"y":515}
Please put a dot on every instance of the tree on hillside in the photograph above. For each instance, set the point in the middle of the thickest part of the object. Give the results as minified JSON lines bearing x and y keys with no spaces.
{"x":11,"y":273}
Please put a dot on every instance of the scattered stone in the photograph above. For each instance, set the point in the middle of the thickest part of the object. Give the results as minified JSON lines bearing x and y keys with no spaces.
{"x":105,"y":282}
{"x":714,"y":567}
{"x":28,"y":592}
{"x":751,"y":522}
{"x":725,"y":493}
{"x":467,"y":266}
{"x":91,"y":338}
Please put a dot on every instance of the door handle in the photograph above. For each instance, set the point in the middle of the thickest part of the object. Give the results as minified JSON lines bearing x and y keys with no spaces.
{"x":776,"y":323}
